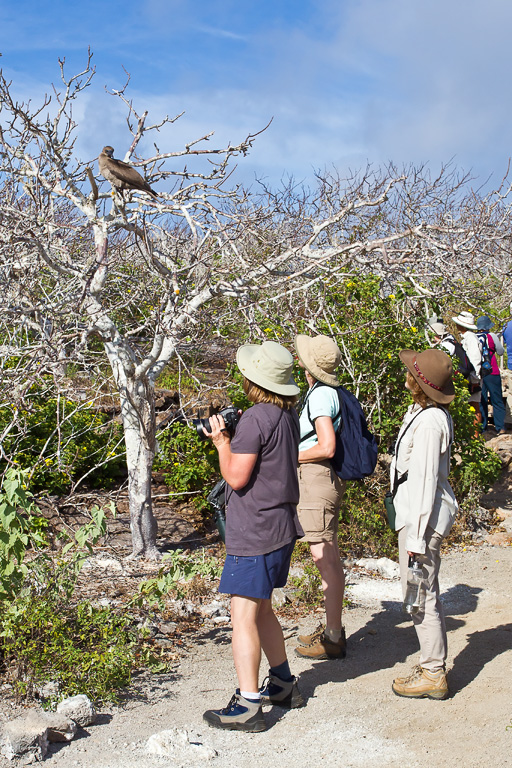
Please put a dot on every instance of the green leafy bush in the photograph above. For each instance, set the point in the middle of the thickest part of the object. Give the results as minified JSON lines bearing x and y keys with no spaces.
{"x":177,"y":569}
{"x":21,"y":529}
{"x":190,"y":465}
{"x":59,"y":441}
{"x":474,"y":466}
{"x":44,"y":636}
{"x":82,"y":648}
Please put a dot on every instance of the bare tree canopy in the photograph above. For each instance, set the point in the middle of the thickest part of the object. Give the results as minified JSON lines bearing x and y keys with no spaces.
{"x":137,"y":273}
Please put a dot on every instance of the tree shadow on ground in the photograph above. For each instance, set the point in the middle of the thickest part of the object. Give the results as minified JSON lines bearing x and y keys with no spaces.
{"x":481,"y":648}
{"x":387,"y":639}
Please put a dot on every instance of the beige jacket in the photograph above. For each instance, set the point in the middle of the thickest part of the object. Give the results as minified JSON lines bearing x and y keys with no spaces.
{"x":426,"y":498}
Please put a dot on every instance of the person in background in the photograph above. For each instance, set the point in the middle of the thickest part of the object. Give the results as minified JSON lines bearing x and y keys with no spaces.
{"x":425,"y":509}
{"x":321,"y":490}
{"x":442,"y":338}
{"x":491,"y":382}
{"x":259,"y":466}
{"x":465,"y":323}
{"x":507,"y":373}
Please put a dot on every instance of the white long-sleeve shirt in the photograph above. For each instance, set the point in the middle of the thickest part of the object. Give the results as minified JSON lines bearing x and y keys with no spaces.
{"x":426,"y":498}
{"x":471,"y":345}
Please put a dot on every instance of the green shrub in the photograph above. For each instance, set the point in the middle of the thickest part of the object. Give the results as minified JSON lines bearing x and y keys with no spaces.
{"x":364,"y":530}
{"x":190,"y":465}
{"x":59,"y":441}
{"x":21,"y":529}
{"x":177,"y":569}
{"x":43,"y":635}
{"x":82,"y":648}
{"x":474,"y":466}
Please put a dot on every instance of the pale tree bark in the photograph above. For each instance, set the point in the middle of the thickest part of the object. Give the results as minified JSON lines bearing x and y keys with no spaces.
{"x":143,"y":274}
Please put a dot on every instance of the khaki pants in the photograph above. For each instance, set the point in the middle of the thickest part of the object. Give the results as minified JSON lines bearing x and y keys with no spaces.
{"x":321,"y":492}
{"x":506,"y":384}
{"x":429,"y":621}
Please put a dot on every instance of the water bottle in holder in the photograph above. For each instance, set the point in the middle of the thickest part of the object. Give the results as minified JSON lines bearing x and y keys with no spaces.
{"x":411,"y":602}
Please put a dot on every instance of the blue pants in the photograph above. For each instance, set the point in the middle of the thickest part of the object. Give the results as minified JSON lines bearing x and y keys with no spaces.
{"x":491,"y":390}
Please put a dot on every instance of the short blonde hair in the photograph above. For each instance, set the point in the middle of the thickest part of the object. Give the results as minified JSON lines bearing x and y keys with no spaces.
{"x":257,"y":394}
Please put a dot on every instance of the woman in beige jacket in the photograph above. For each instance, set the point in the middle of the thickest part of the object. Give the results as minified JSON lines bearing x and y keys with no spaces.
{"x":425,"y":508}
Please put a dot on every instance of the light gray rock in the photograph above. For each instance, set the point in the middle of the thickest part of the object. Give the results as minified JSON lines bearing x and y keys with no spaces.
{"x":167,"y":627}
{"x":21,"y":738}
{"x":221,"y":619}
{"x":60,"y":727}
{"x":49,"y":689}
{"x":78,"y":708}
{"x":180,"y":745}
{"x":382,"y":565}
{"x":215,"y":608}
{"x":163,"y":642}
{"x":103,"y":564}
{"x":279,"y":597}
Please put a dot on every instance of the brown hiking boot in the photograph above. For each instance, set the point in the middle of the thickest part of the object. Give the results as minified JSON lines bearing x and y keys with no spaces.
{"x":421,"y":684}
{"x":323,"y":648}
{"x":313,"y":637}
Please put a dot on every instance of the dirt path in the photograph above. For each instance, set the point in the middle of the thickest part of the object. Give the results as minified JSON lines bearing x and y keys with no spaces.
{"x":352,"y":718}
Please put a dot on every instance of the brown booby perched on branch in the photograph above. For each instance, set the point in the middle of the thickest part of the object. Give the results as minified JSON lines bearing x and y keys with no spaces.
{"x":121,"y":175}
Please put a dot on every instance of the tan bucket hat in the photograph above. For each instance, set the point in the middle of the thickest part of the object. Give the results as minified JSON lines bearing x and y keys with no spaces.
{"x":269,"y":365}
{"x":438,"y":328}
{"x":320,"y":356}
{"x":433,"y":371}
{"x":465,"y":320}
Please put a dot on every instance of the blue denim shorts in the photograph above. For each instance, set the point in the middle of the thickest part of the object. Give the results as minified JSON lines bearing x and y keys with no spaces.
{"x":256,"y":576}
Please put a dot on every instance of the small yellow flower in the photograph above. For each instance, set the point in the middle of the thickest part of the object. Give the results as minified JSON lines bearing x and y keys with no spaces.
{"x":471,"y":408}
{"x":391,"y":296}
{"x":414,"y":329}
{"x":389,"y":355}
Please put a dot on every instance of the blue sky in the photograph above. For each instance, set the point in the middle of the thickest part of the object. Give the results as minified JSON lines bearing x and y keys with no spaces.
{"x":348,"y":82}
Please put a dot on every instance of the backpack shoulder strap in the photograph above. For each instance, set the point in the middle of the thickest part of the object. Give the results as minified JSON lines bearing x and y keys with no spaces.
{"x":317,"y":385}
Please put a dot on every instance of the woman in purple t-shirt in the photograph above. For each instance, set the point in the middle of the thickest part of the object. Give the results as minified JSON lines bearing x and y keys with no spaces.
{"x":260,"y":469}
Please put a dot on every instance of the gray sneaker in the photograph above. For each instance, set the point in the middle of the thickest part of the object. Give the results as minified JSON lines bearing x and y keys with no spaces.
{"x":239,"y":715}
{"x":280,"y":692}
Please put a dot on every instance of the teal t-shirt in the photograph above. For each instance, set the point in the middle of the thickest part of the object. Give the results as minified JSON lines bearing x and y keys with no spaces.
{"x":322,"y":401}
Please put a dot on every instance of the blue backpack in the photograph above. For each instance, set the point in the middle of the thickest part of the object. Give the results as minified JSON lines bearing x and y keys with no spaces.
{"x":356,"y":448}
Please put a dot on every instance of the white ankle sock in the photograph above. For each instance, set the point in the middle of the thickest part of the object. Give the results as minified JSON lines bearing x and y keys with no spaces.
{"x":251,"y":696}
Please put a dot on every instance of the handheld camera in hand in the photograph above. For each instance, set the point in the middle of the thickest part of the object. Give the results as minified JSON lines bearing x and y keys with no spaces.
{"x":231,"y":418}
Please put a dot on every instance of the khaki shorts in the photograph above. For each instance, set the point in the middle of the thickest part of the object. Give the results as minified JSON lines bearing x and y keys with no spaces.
{"x":321,"y":492}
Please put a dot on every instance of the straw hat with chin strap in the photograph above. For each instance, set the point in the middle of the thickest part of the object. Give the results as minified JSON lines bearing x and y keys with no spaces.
{"x":320,"y":356}
{"x":269,"y":365}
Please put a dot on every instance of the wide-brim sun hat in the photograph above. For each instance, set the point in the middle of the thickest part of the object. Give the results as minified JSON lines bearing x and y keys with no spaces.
{"x":269,"y":365}
{"x":484,"y":323}
{"x":438,"y":328}
{"x":433,"y":370}
{"x":320,"y":355}
{"x":465,"y":320}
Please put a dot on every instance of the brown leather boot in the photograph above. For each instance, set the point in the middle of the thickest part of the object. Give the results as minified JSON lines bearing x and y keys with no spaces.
{"x":323,"y":648}
{"x":422,"y":684}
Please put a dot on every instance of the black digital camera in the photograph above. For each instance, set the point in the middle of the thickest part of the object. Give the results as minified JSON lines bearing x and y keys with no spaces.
{"x":231,"y":418}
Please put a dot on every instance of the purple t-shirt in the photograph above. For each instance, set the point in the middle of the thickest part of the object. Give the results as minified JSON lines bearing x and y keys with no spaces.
{"x":263,"y":516}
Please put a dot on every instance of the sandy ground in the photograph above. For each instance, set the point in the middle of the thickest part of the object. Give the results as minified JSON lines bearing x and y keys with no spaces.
{"x":351,"y":718}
